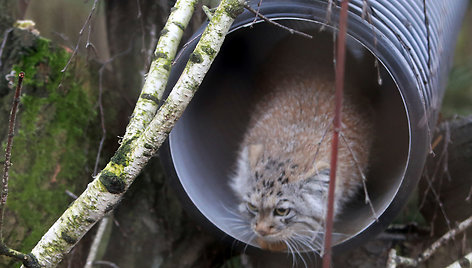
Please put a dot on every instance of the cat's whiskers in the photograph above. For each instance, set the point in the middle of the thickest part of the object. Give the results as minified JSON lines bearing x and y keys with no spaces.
{"x":290,"y":252}
{"x":297,"y":251}
{"x":305,"y":242}
{"x":231,"y":211}
{"x":253,"y":235}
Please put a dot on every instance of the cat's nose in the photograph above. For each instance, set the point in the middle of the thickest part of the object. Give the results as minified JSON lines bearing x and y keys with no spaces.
{"x":264,"y":229}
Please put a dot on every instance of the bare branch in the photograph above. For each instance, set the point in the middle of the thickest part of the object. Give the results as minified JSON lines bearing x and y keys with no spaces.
{"x":394,"y":259}
{"x":364,"y":179}
{"x":257,"y":11}
{"x":445,"y":238}
{"x":7,"y":164}
{"x":96,"y":243}
{"x":86,"y":23}
{"x":27,"y":259}
{"x":292,"y":31}
{"x":465,"y":262}
{"x":156,"y":80}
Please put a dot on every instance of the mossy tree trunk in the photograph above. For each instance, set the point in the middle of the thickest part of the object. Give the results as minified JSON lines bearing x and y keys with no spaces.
{"x":56,"y":138}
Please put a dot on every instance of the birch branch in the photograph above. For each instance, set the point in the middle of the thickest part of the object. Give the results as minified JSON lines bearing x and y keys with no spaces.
{"x":394,"y":259}
{"x":106,"y":190}
{"x":465,"y":262}
{"x":164,"y":54}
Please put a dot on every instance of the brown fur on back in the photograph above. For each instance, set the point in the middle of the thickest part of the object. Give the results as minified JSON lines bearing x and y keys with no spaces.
{"x":293,"y":118}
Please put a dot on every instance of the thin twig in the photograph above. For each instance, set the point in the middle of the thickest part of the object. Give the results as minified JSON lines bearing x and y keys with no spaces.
{"x":442,"y":166}
{"x":11,"y":131}
{"x":27,"y":259}
{"x":71,"y":194}
{"x":103,"y":223}
{"x":257,"y":11}
{"x":464,"y":225}
{"x":81,"y":32}
{"x":100,"y":105}
{"x":139,"y":16}
{"x":96,"y":242}
{"x":339,"y":84}
{"x":329,"y":12}
{"x":102,"y":118}
{"x":106,"y":263}
{"x":367,"y":11}
{"x":184,"y":47}
{"x":364,"y":179}
{"x":292,"y":31}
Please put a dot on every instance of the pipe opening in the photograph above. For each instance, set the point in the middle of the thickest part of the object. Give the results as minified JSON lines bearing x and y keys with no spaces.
{"x":204,"y":143}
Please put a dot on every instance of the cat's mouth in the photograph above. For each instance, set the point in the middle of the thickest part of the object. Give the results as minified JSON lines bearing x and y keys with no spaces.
{"x":276,"y":245}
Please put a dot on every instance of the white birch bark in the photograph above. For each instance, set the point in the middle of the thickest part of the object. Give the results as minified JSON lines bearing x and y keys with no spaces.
{"x":106,"y":190}
{"x":465,"y":262}
{"x":156,"y":80}
{"x":394,"y":259}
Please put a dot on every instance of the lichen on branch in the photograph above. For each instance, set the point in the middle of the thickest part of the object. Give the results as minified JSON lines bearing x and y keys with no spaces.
{"x":164,"y":54}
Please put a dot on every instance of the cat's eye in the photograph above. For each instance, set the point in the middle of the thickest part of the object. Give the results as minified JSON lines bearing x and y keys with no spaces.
{"x":251,"y":207}
{"x":281,"y":211}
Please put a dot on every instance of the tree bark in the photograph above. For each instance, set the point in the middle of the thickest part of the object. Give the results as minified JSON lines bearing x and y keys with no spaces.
{"x":56,"y":139}
{"x":446,"y":185}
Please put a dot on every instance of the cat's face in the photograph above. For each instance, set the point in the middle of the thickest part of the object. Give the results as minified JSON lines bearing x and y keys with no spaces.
{"x":278,"y":209}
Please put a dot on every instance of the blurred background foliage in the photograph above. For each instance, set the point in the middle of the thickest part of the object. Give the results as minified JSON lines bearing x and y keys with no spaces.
{"x":458,"y":96}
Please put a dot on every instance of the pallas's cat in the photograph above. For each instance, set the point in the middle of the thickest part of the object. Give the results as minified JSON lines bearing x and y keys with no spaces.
{"x":282,"y":171}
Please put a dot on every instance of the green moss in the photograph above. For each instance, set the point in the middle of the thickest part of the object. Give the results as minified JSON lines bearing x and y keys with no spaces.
{"x":209,"y":51}
{"x":50,"y":149}
{"x":121,"y":155}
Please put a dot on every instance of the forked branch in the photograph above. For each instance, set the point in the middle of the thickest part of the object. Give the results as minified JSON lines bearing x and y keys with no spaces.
{"x":394,"y":259}
{"x":107,"y":189}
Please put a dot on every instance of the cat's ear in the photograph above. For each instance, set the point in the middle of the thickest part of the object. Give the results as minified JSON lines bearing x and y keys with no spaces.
{"x":247,"y":160}
{"x":254,"y":153}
